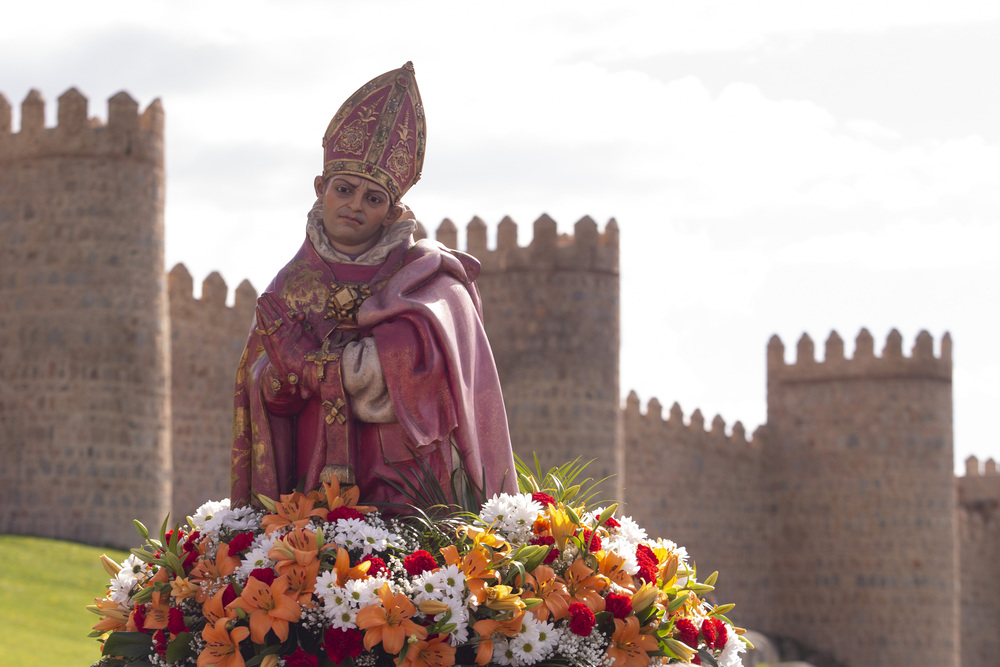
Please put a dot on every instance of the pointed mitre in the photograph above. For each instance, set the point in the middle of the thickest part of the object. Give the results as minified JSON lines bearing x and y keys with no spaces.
{"x":379,"y":133}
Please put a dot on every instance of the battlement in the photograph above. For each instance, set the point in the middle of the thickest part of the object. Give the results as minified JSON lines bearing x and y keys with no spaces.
{"x":585,"y":249}
{"x":214,"y":291}
{"x":127,"y":133}
{"x":653,"y":418}
{"x":921,"y":364}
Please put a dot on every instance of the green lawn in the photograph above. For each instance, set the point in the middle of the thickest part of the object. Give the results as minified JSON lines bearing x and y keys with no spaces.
{"x":45,"y":586}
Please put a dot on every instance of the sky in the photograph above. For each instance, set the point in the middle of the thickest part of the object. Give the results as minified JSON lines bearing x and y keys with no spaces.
{"x":775,"y":167}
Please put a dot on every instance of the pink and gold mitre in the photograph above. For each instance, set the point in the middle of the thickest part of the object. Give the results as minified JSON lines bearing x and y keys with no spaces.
{"x":379,"y":133}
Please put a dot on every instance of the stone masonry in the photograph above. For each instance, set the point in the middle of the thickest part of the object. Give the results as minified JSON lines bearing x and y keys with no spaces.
{"x":838,"y":523}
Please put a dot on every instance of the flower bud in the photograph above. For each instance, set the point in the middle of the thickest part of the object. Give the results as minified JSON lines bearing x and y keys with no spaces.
{"x":433,"y":607}
{"x":110,"y":566}
{"x":269,"y":661}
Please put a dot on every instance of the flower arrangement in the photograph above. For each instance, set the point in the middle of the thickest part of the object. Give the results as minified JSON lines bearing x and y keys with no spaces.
{"x":315,"y":579}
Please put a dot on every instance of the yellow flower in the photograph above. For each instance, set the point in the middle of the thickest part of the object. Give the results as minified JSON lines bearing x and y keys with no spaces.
{"x":183,"y":588}
{"x":502,"y":598}
{"x":560,"y":525}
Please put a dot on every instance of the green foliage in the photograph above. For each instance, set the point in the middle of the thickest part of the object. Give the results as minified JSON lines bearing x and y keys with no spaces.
{"x":423,"y":490}
{"x":565,"y":483}
{"x":45,"y":586}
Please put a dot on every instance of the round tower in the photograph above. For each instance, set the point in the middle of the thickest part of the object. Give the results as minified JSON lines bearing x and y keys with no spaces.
{"x":84,"y":379}
{"x":860,"y":485}
{"x":552,"y":316}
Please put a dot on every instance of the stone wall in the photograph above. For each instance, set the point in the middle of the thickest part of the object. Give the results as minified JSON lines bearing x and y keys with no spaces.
{"x":979,"y":546}
{"x":860,"y":501}
{"x":207,"y":339}
{"x":702,"y":489}
{"x":84,"y":381}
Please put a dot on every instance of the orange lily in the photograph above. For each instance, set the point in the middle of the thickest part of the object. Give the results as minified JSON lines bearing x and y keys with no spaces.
{"x":389,"y":623}
{"x":342,"y":568}
{"x":213,"y":609}
{"x":115,"y":616}
{"x":434,"y":652}
{"x":347,"y":498}
{"x":629,"y":648}
{"x":612,"y":566}
{"x":157,"y":612}
{"x":208,"y":568}
{"x":584,"y":586}
{"x":552,"y":592}
{"x":222,"y":647}
{"x":270,"y":608}
{"x":295,"y":509}
{"x":476,"y":567}
{"x":295,"y":548}
{"x":485,"y":537}
{"x":183,"y":588}
{"x":489,"y":627}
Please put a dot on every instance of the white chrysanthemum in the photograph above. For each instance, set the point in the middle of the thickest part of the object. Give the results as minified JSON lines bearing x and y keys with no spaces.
{"x":671,"y":546}
{"x":208,"y":512}
{"x":349,"y":534}
{"x":123,"y":582}
{"x":443,"y":584}
{"x":364,"y":592}
{"x":535,"y":642}
{"x":513,"y":515}
{"x":730,"y":656}
{"x":241,"y":518}
{"x":254,"y":559}
{"x":579,"y":650}
{"x":626,"y":550}
{"x":630,"y":532}
{"x":373,"y":538}
{"x":502,"y":655}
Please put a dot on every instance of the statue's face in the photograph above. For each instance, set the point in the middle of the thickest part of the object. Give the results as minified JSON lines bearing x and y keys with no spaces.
{"x":355,"y":210}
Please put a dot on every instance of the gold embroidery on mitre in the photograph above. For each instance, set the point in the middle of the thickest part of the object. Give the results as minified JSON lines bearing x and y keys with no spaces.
{"x":344,"y":301}
{"x":353,"y":137}
{"x":399,"y":159}
{"x":305,"y":291}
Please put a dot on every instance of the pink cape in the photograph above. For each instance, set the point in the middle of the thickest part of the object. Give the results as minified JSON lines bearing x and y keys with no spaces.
{"x":426,"y":318}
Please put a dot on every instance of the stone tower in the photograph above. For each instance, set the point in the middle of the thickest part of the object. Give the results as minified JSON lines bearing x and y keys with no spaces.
{"x":861,"y":501}
{"x":84,"y":379}
{"x":551,"y":312}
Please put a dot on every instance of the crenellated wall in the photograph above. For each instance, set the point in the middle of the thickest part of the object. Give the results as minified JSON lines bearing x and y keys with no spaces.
{"x":84,"y":380}
{"x":551,"y":311}
{"x":979,"y":546}
{"x":860,"y":511}
{"x":701,"y":488}
{"x":207,"y":339}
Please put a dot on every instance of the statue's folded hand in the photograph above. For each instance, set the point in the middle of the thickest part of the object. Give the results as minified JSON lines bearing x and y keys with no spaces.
{"x":286,"y":341}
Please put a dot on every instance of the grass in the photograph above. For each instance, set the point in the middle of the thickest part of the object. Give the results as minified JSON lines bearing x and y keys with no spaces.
{"x":45,"y":586}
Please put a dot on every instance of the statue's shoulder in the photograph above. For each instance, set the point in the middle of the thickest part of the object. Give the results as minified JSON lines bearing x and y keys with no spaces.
{"x":462,"y":265}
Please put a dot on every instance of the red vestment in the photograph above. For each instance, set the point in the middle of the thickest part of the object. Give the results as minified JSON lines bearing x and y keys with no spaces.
{"x":425,"y":316}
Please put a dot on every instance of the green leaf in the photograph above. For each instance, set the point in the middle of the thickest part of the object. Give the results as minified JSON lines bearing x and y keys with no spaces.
{"x":707,"y":658}
{"x":128,"y":644}
{"x":179,"y":648}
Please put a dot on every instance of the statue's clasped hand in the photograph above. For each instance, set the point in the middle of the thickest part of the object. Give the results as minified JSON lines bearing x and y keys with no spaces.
{"x":284,"y":336}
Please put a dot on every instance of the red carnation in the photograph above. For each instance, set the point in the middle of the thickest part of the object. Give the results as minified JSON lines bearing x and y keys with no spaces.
{"x":139,"y":617}
{"x":160,"y":642}
{"x":419,"y":562}
{"x":228,"y":595}
{"x":645,"y":556}
{"x":263,"y":574}
{"x":301,"y":659}
{"x":240,"y":542}
{"x":714,"y":632}
{"x":543,"y":499}
{"x":192,"y":540}
{"x":590,"y":539}
{"x":377,"y":567}
{"x":189,"y":560}
{"x":547,"y":540}
{"x":175,"y":621}
{"x":619,"y":605}
{"x":687,"y":633}
{"x":646,"y":574}
{"x":581,"y":619}
{"x":344,"y":512}
{"x":342,"y":644}
{"x":610,"y":522}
